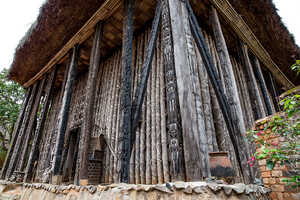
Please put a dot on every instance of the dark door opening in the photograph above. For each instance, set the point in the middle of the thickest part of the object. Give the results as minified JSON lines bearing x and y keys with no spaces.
{"x":69,"y":169}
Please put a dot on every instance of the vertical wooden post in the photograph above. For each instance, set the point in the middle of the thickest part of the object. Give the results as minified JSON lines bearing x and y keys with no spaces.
{"x":231,"y":91}
{"x":256,"y":101}
{"x":174,"y":133}
{"x":88,"y":120}
{"x":274,"y":91}
{"x":128,"y":7}
{"x":263,"y":86}
{"x":193,"y":125}
{"x":41,"y":123}
{"x":15,"y":134}
{"x":63,"y":116}
{"x":31,"y":124}
{"x":21,"y":135}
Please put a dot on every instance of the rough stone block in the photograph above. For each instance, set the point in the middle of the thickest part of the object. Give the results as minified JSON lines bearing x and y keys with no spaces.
{"x":266,"y":174}
{"x":262,"y":162}
{"x":277,"y":188}
{"x":277,"y":173}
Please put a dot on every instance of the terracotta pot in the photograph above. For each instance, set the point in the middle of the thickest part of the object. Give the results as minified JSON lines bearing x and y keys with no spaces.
{"x":220,"y":165}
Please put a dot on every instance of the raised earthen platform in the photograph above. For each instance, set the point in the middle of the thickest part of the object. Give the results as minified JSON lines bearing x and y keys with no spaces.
{"x":178,"y":191}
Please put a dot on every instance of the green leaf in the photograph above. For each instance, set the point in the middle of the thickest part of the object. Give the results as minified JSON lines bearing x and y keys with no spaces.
{"x":270,"y":164}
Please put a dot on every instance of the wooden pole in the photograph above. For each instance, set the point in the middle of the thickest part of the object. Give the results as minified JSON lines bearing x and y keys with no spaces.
{"x":174,"y":131}
{"x":21,"y":135}
{"x":31,"y":124}
{"x":40,"y":126}
{"x":14,"y":138}
{"x":128,"y":7}
{"x":263,"y":86}
{"x":146,"y":68}
{"x":63,"y":116}
{"x":88,"y":120}
{"x":256,"y":100}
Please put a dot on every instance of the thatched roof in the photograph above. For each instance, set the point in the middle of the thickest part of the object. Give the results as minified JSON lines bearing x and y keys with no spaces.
{"x":59,"y":20}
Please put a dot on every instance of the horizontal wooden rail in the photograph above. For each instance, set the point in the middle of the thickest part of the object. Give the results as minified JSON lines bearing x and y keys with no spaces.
{"x":245,"y":33}
{"x":104,"y":12}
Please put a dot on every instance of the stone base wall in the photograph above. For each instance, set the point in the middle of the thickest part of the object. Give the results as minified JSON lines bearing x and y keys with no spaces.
{"x":273,"y":179}
{"x":178,"y":190}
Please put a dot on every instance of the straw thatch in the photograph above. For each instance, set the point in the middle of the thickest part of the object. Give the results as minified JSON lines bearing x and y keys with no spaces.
{"x":58,"y":21}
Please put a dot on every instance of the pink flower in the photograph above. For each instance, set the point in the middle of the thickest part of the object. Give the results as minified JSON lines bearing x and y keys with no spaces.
{"x":274,"y":144}
{"x":260,"y":133}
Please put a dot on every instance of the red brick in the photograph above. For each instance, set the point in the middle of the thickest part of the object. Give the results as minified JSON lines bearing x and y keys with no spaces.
{"x":277,"y":173}
{"x":266,"y":174}
{"x":277,"y":188}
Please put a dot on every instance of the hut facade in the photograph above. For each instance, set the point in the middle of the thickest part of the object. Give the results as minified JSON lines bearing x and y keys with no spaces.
{"x":145,"y":91}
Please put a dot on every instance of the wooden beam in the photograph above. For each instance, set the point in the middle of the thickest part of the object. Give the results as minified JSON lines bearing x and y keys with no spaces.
{"x":88,"y":120}
{"x":105,"y":11}
{"x":195,"y":145}
{"x":14,"y":138}
{"x":40,"y":125}
{"x":128,"y":8}
{"x":146,"y":68}
{"x":64,"y":113}
{"x":31,"y":125}
{"x":244,"y":32}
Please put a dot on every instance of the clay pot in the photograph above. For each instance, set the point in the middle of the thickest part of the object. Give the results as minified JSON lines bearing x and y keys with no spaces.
{"x":220,"y":165}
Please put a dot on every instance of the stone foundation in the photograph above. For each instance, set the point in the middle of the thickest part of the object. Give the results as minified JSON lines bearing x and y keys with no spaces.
{"x":178,"y":190}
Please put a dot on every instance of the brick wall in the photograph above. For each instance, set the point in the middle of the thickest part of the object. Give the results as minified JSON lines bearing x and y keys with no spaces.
{"x":274,"y":178}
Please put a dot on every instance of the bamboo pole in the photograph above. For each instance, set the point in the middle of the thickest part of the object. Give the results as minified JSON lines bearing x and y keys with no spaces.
{"x":15,"y":134}
{"x":143,"y":122}
{"x":158,"y":116}
{"x":153,"y":121}
{"x":88,"y":124}
{"x":106,"y":124}
{"x":64,"y":114}
{"x":163,"y":124}
{"x":138,"y":63}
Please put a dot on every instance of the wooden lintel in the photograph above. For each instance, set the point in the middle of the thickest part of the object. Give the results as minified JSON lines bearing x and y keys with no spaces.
{"x":104,"y":12}
{"x":244,"y":32}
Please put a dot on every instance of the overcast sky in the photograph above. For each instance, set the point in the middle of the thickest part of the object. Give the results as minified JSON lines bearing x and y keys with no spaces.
{"x":16,"y":16}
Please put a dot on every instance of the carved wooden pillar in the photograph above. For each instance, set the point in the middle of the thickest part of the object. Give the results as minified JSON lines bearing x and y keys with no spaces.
{"x":15,"y":134}
{"x":263,"y":86}
{"x":230,"y":88}
{"x":88,"y":120}
{"x":174,"y":133}
{"x":256,"y":100}
{"x":40,"y":125}
{"x":64,"y":115}
{"x":21,"y":135}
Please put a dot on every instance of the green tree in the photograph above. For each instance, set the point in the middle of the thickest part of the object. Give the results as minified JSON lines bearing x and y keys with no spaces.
{"x":11,"y":98}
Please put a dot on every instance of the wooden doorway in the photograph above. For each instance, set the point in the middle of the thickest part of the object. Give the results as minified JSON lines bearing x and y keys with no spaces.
{"x":70,"y":163}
